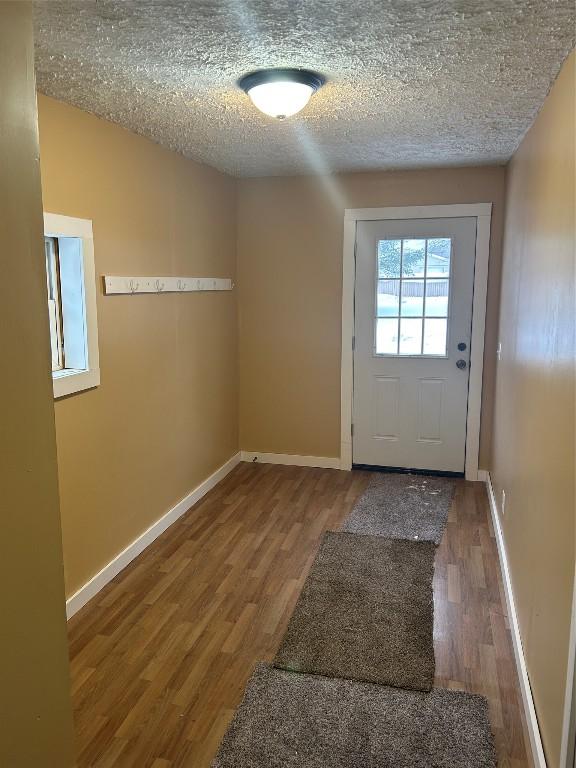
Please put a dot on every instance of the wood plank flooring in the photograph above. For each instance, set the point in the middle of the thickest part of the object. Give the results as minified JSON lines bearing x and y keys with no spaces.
{"x":161,"y":656}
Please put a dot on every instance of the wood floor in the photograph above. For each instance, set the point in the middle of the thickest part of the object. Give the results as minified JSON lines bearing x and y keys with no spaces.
{"x":161,"y":656}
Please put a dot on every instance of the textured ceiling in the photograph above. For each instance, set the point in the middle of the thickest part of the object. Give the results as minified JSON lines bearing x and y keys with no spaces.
{"x":411,"y":83}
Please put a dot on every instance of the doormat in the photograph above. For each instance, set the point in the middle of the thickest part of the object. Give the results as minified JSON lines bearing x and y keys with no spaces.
{"x":403,"y":506}
{"x":366,"y":612}
{"x":288,"y":720}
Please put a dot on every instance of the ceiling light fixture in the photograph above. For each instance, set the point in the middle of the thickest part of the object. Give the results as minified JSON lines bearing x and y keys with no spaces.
{"x":281,"y":93}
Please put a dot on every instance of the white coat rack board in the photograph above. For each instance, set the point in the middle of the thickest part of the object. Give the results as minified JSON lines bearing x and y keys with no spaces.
{"x":128,"y":285}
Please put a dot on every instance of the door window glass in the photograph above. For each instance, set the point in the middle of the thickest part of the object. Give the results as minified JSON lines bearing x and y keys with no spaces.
{"x":413,"y":296}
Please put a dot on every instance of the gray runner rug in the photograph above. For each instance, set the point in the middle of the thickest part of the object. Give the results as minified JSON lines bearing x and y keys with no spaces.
{"x":304,"y":721}
{"x":366,"y":612}
{"x":402,"y":506}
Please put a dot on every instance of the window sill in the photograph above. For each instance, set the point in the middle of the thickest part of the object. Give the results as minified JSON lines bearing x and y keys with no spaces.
{"x":69,"y":381}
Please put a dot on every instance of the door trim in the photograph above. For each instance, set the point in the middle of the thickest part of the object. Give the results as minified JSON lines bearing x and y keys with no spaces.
{"x":483,"y":214}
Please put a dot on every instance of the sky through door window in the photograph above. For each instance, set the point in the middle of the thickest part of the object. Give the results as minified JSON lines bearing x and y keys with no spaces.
{"x":412,"y":296}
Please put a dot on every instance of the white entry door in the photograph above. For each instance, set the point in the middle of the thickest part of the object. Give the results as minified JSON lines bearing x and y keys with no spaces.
{"x":413,"y":315}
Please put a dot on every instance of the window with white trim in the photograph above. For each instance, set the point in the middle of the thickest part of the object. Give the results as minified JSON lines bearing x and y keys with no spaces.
{"x":70,"y":275}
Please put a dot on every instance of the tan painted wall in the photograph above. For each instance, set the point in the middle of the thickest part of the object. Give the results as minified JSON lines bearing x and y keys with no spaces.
{"x":165,"y":415}
{"x":35,"y":711}
{"x":533,"y":446}
{"x":290,"y":273}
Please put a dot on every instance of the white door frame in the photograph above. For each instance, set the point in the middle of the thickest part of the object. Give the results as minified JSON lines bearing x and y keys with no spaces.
{"x":483,"y":214}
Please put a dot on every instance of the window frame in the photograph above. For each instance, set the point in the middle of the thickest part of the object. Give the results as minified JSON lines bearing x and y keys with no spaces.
{"x":67,"y":381}
{"x":54,"y":308}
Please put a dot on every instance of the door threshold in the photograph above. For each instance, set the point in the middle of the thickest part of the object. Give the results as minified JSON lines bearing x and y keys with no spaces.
{"x":407,"y":470}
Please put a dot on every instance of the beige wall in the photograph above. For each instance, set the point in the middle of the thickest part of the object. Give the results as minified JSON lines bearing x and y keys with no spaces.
{"x":35,"y":711}
{"x":290,"y":274}
{"x":165,"y":415}
{"x":533,"y":445}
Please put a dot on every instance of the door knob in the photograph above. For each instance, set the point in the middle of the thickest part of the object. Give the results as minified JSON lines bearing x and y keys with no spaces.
{"x":461,"y":364}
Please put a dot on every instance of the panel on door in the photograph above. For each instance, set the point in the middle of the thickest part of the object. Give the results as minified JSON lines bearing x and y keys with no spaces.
{"x":431,"y":401}
{"x":413,"y":312}
{"x":386,"y":407}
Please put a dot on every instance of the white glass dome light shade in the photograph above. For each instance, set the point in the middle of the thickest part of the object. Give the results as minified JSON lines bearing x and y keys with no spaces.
{"x":281,"y":99}
{"x":281,"y":93}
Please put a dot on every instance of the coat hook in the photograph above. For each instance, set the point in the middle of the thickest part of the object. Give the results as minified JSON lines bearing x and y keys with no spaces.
{"x":134,"y":288}
{"x":159,"y":287}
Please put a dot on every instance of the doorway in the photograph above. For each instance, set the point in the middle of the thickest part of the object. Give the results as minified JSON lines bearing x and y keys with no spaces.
{"x":413,"y":312}
{"x":412,"y":325}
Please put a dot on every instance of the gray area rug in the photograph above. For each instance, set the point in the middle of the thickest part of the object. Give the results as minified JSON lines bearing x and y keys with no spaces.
{"x":366,"y":612}
{"x":401,"y":506}
{"x":288,"y":720}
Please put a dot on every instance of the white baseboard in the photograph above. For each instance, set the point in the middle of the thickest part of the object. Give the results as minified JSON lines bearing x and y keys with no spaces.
{"x":568,"y":746}
{"x":292,"y":459}
{"x":527,"y":700}
{"x":482,"y":476}
{"x":97,"y":582}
